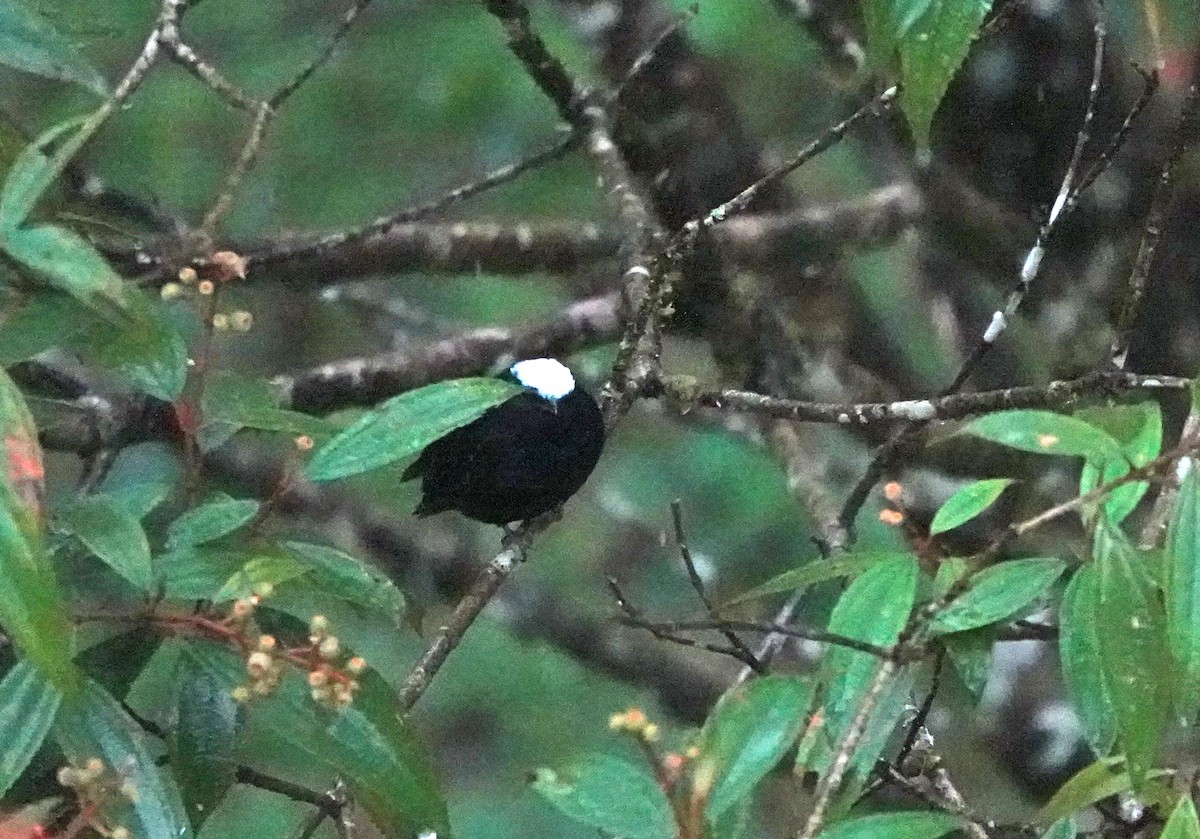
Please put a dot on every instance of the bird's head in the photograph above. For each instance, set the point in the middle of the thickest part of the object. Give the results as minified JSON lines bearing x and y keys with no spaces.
{"x":548,"y":378}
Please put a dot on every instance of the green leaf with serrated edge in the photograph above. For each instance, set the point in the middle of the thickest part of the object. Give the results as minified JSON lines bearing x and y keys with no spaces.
{"x":257,"y":574}
{"x":931,"y":51}
{"x":28,"y":704}
{"x":406,"y":424}
{"x":886,"y":22}
{"x":968,"y":503}
{"x":998,"y":592}
{"x":202,"y":741}
{"x":29,"y":176}
{"x":210,"y":521}
{"x":874,"y":608}
{"x":914,"y":825}
{"x":1045,"y":432}
{"x":109,"y":531}
{"x":142,"y":346}
{"x":1079,"y":651}
{"x":1090,"y":784}
{"x":1131,"y":628}
{"x":734,"y":823}
{"x":197,"y":573}
{"x":142,"y":477}
{"x":1183,"y":823}
{"x":94,"y":725}
{"x":29,"y":43}
{"x":1138,"y":430}
{"x":243,"y":402}
{"x":610,"y":795}
{"x":746,"y":736}
{"x":32,"y":610}
{"x":1182,"y":592}
{"x":349,"y":578}
{"x":1061,"y":829}
{"x":366,"y":744}
{"x":35,"y":323}
{"x":816,"y":571}
{"x":68,"y":262}
{"x":970,"y":654}
{"x":895,"y":702}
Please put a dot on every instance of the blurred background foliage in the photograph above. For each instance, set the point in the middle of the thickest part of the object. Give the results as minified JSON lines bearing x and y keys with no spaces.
{"x":422,"y":96}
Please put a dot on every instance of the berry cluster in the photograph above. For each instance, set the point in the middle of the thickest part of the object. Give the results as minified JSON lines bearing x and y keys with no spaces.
{"x":331,"y":686}
{"x":96,"y":787}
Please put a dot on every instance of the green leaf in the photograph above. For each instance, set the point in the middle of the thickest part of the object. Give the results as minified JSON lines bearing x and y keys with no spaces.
{"x":94,"y":725}
{"x":406,"y":424}
{"x":141,"y":345}
{"x":197,"y":573}
{"x":28,"y":704}
{"x":1131,"y":628}
{"x":141,"y":478}
{"x":68,"y":262}
{"x":613,"y":796}
{"x":998,"y":592}
{"x":242,"y":402}
{"x":914,"y":825}
{"x":971,"y":656}
{"x":366,"y":744}
{"x":30,"y":175}
{"x":32,"y":610}
{"x":1183,"y":592}
{"x":1093,"y":783}
{"x":257,"y":574}
{"x":109,"y":531}
{"x":874,"y":608}
{"x":1138,"y":431}
{"x":203,"y":740}
{"x":931,"y":51}
{"x":816,"y":571}
{"x":1183,"y":823}
{"x":34,"y":325}
{"x":968,"y":503}
{"x":746,"y":736}
{"x":1045,"y":432}
{"x":887,"y":21}
{"x":29,"y":43}
{"x":348,"y":578}
{"x":1079,"y":650}
{"x":210,"y":521}
{"x":1061,"y":829}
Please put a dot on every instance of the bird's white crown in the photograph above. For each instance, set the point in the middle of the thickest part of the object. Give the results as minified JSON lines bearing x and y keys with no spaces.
{"x":549,"y":378}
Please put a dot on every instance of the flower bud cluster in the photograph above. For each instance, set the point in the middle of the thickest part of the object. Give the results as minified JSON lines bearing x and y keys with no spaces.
{"x":222,"y":267}
{"x":332,"y":687}
{"x":265,"y":671}
{"x":635,"y":722}
{"x":95,"y":785}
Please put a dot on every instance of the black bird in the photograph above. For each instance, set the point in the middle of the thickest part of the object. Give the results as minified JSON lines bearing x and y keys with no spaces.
{"x":521,"y":458}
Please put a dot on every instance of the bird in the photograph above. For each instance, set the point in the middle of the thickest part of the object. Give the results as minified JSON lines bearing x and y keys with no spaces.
{"x":519,"y":459}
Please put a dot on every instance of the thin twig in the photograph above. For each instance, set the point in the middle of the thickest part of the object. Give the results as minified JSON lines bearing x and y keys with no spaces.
{"x":468,"y":609}
{"x":1152,"y":230}
{"x":632,"y":616}
{"x":246,"y":159}
{"x":909,"y":434}
{"x":646,"y":57}
{"x":381,"y":227}
{"x":697,"y":582}
{"x":792,"y":631}
{"x":955,"y":406}
{"x":348,"y":21}
{"x":831,"y":781}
